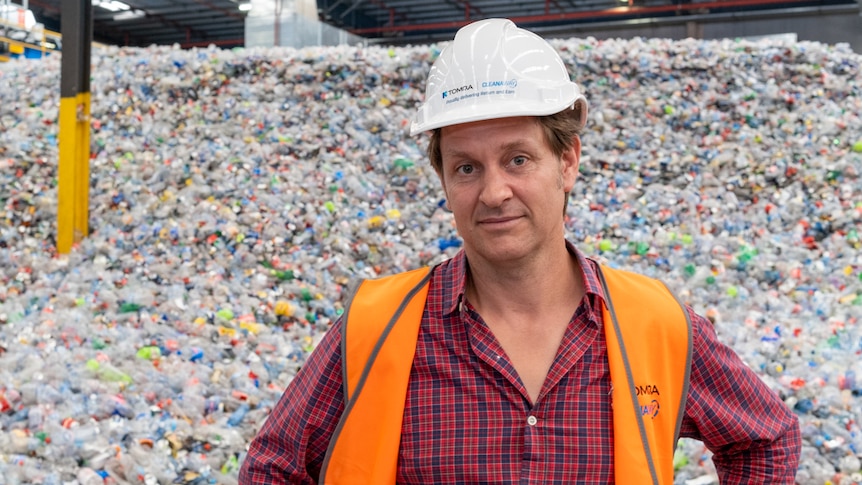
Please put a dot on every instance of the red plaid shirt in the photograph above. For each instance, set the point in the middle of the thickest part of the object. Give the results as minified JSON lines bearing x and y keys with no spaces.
{"x":468,"y":418}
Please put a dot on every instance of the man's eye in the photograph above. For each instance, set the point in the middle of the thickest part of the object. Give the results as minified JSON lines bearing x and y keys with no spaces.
{"x":517,"y":161}
{"x":465,"y":169}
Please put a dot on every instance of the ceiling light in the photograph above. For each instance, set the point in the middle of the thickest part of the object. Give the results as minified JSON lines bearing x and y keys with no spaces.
{"x":244,"y":7}
{"x":131,"y":14}
{"x":112,"y":5}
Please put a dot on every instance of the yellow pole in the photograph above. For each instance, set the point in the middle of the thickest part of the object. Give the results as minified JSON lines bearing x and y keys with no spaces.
{"x":73,"y":171}
{"x":73,"y":190}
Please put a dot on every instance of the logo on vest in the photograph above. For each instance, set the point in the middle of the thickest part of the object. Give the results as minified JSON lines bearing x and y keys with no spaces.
{"x":651,"y":408}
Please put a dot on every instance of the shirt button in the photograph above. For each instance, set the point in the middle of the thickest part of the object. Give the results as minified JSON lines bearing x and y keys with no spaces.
{"x":532,"y":420}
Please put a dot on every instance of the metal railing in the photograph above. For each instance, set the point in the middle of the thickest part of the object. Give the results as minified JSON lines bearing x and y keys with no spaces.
{"x":17,"y":38}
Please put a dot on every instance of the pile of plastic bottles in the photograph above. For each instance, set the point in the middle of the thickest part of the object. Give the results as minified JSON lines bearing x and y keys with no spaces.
{"x":236,"y":195}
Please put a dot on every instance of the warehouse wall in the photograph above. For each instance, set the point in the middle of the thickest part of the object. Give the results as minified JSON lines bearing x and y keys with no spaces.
{"x":294,"y":30}
{"x":831,"y":25}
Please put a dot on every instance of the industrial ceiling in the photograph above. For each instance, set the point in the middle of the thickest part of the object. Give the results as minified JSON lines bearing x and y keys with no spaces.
{"x":192,"y":23}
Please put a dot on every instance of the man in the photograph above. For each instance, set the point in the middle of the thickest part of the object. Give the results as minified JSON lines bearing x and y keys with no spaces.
{"x":519,"y":360}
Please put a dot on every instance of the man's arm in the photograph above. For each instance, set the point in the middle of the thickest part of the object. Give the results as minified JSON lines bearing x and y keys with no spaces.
{"x":291,"y":444}
{"x":753,"y":435}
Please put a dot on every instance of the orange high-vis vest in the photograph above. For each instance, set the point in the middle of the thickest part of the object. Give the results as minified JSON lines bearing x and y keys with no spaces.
{"x":648,"y":335}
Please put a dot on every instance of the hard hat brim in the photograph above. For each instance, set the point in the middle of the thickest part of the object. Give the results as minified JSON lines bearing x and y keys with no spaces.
{"x":496,"y":110}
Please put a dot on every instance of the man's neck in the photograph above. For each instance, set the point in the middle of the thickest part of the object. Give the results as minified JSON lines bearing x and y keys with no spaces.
{"x":524,"y":287}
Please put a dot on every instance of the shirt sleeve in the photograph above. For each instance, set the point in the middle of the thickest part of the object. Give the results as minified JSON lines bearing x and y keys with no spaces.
{"x":291,"y":444}
{"x":753,"y":435}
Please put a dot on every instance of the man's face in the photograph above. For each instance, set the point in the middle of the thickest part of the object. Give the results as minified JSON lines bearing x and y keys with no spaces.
{"x":505,"y":187}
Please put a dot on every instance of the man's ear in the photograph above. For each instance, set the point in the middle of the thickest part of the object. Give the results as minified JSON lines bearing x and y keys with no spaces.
{"x":445,"y":192}
{"x":571,"y":161}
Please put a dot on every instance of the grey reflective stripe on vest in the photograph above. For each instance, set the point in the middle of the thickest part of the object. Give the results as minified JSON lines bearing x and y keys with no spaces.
{"x":630,"y":376}
{"x":348,"y":403}
{"x":682,"y":398}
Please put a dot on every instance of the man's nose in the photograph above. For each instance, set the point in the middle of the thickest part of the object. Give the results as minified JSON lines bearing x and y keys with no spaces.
{"x":496,"y":188}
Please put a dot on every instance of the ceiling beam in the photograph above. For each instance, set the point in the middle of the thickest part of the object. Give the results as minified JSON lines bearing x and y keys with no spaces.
{"x":589,"y":14}
{"x":229,"y":13}
{"x":188,"y":30}
{"x":350,"y":8}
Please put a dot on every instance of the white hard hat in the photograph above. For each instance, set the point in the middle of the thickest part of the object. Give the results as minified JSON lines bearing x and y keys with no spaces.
{"x":494,"y":69}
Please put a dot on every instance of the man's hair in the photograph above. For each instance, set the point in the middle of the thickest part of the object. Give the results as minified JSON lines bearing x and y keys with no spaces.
{"x":559,"y":128}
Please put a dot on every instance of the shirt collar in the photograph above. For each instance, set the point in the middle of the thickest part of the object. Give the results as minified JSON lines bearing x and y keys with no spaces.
{"x":455,"y":270}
